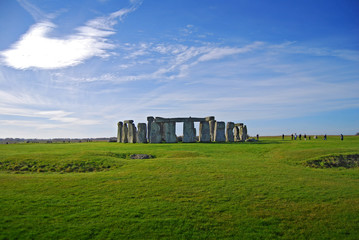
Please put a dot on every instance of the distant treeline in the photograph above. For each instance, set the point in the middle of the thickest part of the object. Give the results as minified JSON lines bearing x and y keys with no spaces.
{"x":56,"y":140}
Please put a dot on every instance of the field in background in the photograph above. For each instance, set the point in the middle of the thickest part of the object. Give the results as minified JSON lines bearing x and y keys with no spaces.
{"x":258,"y":190}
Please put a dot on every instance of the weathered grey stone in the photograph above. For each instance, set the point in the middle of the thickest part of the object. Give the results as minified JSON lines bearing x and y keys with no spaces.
{"x":141,"y":133}
{"x":161,"y":130}
{"x":131,"y":133}
{"x":212,"y":123}
{"x":244,"y":134}
{"x":119,"y":131}
{"x":236,"y":134}
{"x":169,"y":130}
{"x":219,"y":132}
{"x":189,"y":134}
{"x":124,"y":133}
{"x":251,"y":140}
{"x":204,"y":133}
{"x":141,"y":156}
{"x":155,"y":136}
{"x":193,"y":119}
{"x":165,"y":130}
{"x":149,"y":122}
{"x":229,"y":132}
{"x":209,"y":118}
{"x":240,"y":127}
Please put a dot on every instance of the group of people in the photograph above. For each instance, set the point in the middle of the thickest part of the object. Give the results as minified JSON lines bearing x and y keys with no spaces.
{"x":295,"y":136}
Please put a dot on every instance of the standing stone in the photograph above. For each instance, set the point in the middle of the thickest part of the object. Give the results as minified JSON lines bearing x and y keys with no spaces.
{"x":212,"y":123}
{"x":131,"y":133}
{"x":204,"y":132}
{"x":189,"y":135}
{"x":241,"y":132}
{"x":119,"y":132}
{"x":210,"y":118}
{"x":141,"y":133}
{"x":162,"y":131}
{"x":149,"y":122}
{"x":236,"y":134}
{"x":229,"y":132}
{"x":219,"y":132}
{"x":155,"y":135}
{"x":124,"y":133}
{"x":169,"y":132}
{"x":244,"y":134}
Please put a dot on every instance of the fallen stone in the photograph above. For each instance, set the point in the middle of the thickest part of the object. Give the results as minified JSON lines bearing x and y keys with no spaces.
{"x":141,"y":156}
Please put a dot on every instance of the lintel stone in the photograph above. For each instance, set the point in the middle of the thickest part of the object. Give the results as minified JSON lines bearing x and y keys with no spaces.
{"x":192,"y":119}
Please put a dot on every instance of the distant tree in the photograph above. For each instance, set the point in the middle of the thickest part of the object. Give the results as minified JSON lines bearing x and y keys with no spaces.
{"x":357,"y":134}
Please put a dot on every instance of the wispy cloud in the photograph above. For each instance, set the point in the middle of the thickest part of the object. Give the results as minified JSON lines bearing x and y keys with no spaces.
{"x":36,"y":49}
{"x":59,"y":116}
{"x":34,"y":11}
{"x":218,"y":53}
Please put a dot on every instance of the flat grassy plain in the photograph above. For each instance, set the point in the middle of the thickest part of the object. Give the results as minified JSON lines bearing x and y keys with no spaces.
{"x":258,"y":190}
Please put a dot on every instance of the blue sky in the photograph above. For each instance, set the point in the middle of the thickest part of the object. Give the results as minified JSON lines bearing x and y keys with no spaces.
{"x":76,"y":68}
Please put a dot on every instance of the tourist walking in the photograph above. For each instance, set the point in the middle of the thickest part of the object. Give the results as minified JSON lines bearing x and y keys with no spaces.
{"x":292,"y":136}
{"x":305,"y":137}
{"x":325,"y":137}
{"x":300,"y":136}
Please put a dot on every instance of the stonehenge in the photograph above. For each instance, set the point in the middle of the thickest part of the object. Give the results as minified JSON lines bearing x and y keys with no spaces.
{"x":159,"y":129}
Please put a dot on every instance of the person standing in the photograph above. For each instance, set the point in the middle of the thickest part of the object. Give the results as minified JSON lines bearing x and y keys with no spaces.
{"x":300,"y":136}
{"x":282,"y":136}
{"x":292,"y":136}
{"x":257,"y":137}
{"x":325,"y":137}
{"x":341,"y":137}
{"x":305,"y":137}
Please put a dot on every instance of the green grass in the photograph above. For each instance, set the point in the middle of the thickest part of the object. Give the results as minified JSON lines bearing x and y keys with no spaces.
{"x":189,"y":191}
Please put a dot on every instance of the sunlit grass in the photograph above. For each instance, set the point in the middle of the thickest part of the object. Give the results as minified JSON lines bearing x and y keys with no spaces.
{"x":189,"y":191}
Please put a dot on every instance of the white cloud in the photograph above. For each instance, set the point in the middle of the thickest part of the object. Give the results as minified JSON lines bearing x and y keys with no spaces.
{"x":36,"y":49}
{"x":59,"y":116}
{"x":218,"y":53}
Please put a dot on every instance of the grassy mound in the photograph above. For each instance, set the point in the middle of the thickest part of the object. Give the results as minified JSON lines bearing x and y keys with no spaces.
{"x":84,"y":161}
{"x":333,"y":161}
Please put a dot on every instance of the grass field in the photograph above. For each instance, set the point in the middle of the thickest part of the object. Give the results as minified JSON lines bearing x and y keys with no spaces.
{"x":257,"y":190}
